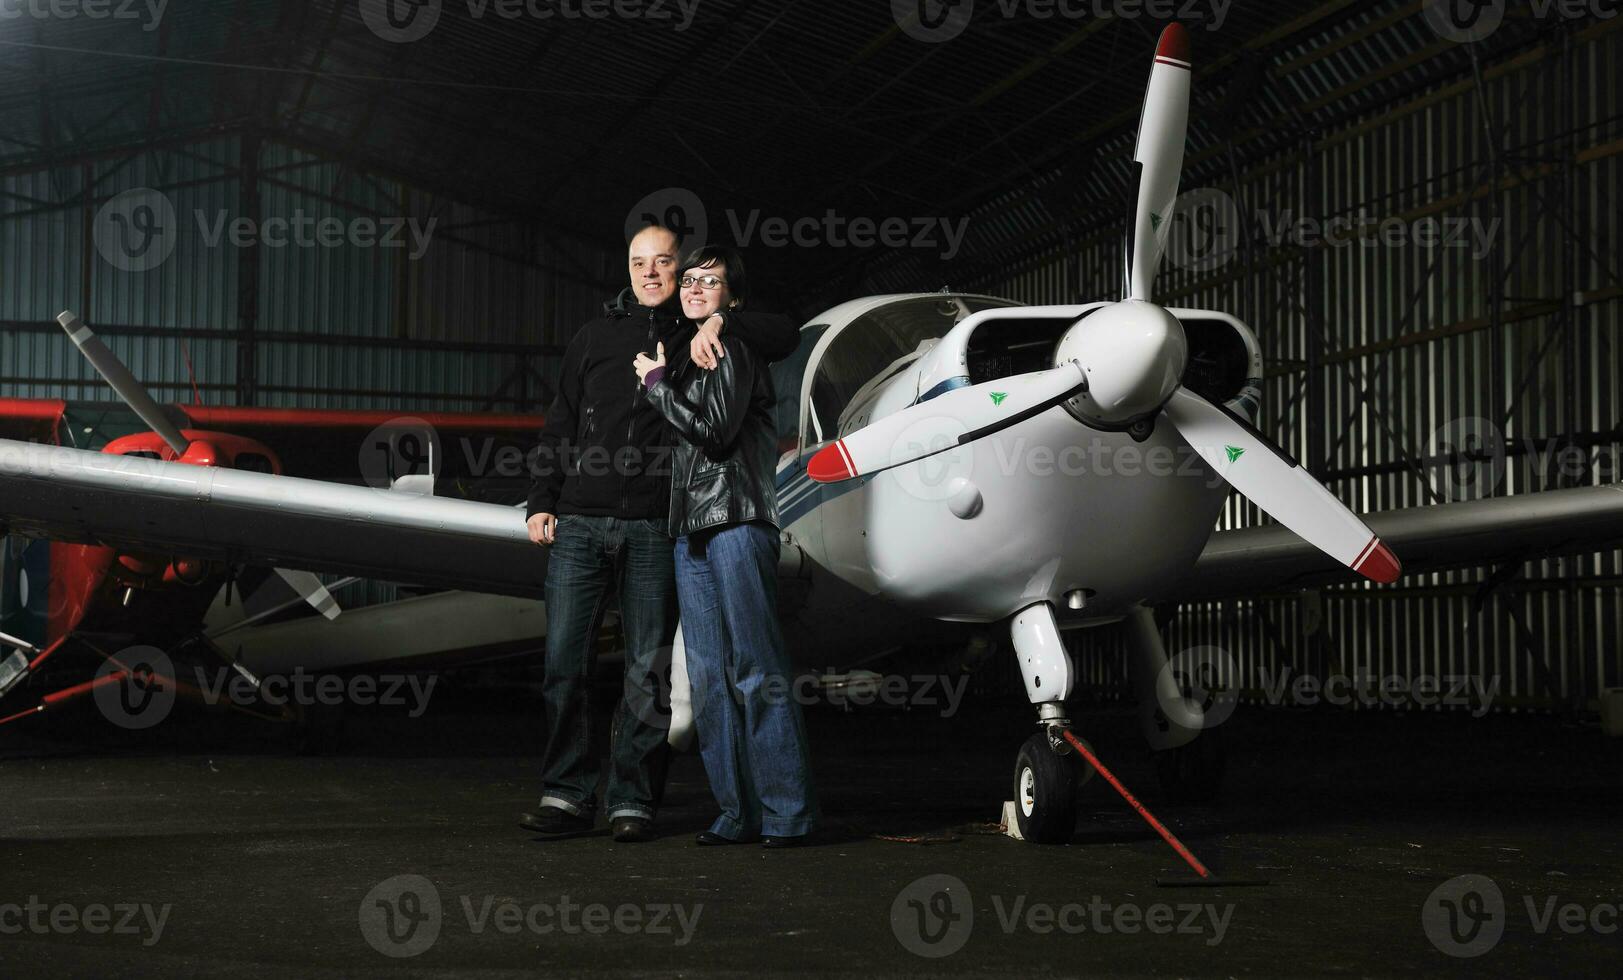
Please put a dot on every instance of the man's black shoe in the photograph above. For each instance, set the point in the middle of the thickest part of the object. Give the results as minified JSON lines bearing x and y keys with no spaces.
{"x":550,"y":821}
{"x":798,"y":840}
{"x":632,"y":830}
{"x":707,"y":839}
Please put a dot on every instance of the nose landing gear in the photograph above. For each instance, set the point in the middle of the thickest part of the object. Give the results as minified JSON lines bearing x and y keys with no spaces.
{"x":1045,"y":782}
{"x":1188,"y":762}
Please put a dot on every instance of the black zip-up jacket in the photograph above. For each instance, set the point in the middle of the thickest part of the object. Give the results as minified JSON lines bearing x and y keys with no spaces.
{"x":604,"y":450}
{"x":726,"y":449}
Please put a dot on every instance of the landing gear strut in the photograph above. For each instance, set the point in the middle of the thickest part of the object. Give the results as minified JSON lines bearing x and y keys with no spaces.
{"x":1045,"y":782}
{"x":1188,"y":759}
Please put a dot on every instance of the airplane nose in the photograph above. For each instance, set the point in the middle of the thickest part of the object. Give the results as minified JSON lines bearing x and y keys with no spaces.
{"x":1133,"y":354}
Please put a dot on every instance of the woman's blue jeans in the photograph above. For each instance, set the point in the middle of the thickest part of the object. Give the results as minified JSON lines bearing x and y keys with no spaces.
{"x":751,"y":733}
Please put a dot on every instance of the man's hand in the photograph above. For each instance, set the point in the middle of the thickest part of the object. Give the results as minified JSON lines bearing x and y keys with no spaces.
{"x":705,"y":347}
{"x":642,"y":363}
{"x":543,"y":528}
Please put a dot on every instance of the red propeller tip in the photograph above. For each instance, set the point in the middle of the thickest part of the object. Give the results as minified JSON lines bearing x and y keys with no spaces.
{"x":1174,"y":44}
{"x":831,"y":464}
{"x":1378,"y":564}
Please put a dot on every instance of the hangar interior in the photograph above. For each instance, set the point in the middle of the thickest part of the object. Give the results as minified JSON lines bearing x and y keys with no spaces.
{"x":526,"y":145}
{"x":1421,"y":230}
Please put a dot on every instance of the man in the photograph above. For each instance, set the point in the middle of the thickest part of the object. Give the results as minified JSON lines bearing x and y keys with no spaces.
{"x":600,"y":501}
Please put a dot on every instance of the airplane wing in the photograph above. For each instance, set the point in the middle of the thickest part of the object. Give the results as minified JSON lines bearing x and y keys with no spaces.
{"x":1255,"y":560}
{"x":215,"y":513}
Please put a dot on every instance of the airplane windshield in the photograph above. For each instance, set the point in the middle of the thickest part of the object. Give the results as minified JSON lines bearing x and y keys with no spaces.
{"x":786,"y":377}
{"x":873,"y":342}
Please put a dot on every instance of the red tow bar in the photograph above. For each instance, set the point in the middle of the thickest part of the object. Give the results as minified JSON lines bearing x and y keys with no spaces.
{"x":1149,"y":818}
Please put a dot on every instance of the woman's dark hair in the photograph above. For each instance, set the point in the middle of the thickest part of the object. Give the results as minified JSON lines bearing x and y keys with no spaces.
{"x":709,"y":255}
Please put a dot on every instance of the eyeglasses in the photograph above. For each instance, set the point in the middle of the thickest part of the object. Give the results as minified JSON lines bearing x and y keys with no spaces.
{"x":707,"y":282}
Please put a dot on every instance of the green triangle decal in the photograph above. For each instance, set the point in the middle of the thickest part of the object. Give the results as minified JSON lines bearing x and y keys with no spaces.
{"x":1155,"y":221}
{"x":1235,"y":452}
{"x":998,"y":396}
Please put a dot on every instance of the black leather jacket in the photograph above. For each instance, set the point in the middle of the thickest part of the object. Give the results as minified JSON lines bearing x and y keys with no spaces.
{"x":604,"y":450}
{"x":722,"y":471}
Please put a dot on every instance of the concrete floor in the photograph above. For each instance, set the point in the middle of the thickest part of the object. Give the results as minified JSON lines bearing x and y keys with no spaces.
{"x":258,"y":862}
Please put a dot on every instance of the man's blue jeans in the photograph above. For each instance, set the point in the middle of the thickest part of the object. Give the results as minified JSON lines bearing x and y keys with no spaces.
{"x":751,"y":734}
{"x":593,"y":559}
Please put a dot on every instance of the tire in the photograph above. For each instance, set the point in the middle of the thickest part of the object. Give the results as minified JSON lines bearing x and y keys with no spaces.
{"x":1044,"y":793}
{"x":1193,"y":773}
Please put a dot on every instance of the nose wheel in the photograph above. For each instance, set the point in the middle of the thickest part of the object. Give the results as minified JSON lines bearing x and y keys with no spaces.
{"x":1045,"y":791}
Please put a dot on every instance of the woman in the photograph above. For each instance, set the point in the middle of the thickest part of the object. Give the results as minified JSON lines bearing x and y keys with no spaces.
{"x":724,"y":516}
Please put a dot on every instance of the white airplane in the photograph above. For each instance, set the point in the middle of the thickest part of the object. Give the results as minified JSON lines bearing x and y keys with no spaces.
{"x":948,"y":459}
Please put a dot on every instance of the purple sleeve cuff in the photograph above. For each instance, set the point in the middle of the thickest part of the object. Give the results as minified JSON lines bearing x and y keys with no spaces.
{"x":653,"y":377}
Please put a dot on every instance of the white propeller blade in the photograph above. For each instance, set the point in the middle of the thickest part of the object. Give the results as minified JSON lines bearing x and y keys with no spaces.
{"x":1255,"y":467}
{"x":123,"y":382}
{"x":945,"y":422}
{"x":310,"y":589}
{"x":1162,"y":127}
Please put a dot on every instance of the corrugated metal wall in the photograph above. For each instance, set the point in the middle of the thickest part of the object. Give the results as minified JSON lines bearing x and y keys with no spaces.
{"x":436,"y":322}
{"x":1413,"y":328}
{"x":438,"y":318}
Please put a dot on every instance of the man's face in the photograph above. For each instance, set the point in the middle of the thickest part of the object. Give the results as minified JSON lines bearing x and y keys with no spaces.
{"x":653,"y":266}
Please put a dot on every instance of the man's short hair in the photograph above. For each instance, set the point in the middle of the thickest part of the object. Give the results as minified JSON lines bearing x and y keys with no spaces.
{"x":661,"y":226}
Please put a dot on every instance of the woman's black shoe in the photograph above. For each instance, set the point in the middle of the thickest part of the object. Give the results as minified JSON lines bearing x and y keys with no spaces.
{"x":798,"y":840}
{"x":707,"y":839}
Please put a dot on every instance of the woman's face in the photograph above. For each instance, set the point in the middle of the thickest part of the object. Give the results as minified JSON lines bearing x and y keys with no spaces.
{"x":699,"y":302}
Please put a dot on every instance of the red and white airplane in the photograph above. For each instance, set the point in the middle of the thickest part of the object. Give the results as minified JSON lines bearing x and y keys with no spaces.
{"x":60,"y":595}
{"x":951,"y":463}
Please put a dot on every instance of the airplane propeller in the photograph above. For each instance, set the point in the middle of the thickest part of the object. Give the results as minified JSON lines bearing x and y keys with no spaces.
{"x":1122,"y":365}
{"x":123,"y":382}
{"x":306,"y":585}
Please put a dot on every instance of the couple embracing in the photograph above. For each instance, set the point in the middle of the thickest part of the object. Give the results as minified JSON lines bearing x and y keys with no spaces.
{"x":655,"y":486}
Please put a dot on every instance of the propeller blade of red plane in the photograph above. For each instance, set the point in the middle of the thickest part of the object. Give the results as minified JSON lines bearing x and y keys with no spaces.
{"x":123,"y":382}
